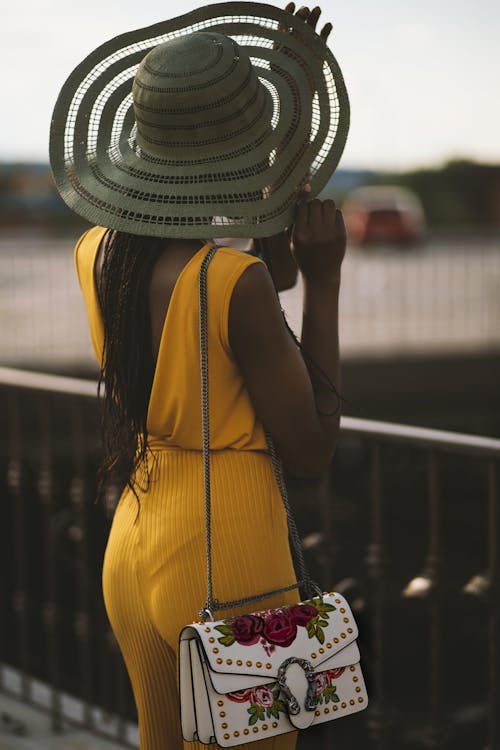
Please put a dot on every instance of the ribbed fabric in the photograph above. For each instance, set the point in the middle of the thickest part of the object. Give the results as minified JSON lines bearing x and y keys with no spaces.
{"x":154,"y":573}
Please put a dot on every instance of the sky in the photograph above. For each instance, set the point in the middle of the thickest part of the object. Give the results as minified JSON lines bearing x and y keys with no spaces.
{"x":423,"y":75}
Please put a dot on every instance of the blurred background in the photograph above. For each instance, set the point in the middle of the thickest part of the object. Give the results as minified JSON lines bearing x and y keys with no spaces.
{"x":406,"y":522}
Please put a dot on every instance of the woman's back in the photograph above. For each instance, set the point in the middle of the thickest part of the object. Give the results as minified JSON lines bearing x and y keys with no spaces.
{"x":174,"y":413}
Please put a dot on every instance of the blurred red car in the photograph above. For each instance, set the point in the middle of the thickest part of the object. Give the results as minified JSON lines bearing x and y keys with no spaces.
{"x":386,"y":214}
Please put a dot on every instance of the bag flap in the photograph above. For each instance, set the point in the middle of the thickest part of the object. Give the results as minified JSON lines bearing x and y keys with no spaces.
{"x":257,"y":644}
{"x":233,"y":683}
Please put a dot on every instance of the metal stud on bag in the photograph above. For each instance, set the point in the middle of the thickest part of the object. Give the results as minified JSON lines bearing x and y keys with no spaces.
{"x":237,"y":691}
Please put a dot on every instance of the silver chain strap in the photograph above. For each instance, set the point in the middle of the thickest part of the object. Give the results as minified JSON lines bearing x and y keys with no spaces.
{"x":212,"y":604}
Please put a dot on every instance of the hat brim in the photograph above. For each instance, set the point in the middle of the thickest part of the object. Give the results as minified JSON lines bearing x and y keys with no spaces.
{"x":242,"y":187}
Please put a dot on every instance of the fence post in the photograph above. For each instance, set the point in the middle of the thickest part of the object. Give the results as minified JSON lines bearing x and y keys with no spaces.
{"x":494,"y":623}
{"x":376,"y":561}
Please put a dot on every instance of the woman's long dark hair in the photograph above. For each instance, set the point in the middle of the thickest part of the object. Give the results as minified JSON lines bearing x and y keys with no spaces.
{"x":127,"y":366}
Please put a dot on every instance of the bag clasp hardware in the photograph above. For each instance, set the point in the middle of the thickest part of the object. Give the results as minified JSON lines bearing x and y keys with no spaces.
{"x":206,"y":614}
{"x":291,"y":701}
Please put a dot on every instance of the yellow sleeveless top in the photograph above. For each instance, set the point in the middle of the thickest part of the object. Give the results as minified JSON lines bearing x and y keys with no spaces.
{"x":174,"y":412}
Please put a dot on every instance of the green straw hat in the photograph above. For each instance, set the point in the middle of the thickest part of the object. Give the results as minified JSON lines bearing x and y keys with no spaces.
{"x":208,"y":123}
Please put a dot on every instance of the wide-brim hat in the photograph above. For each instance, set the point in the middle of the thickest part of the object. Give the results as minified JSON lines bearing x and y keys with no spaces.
{"x":207,"y":124}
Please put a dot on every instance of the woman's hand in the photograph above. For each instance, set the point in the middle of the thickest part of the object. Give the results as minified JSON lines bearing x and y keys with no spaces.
{"x":311,"y":17}
{"x":277,"y":254}
{"x":318,"y":239}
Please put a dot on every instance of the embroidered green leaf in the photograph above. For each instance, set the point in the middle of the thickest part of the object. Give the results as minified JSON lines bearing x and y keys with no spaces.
{"x":227,"y":640}
{"x":323,"y":607}
{"x":272,"y":711}
{"x":320,"y":634}
{"x":331,"y":694}
{"x":256,"y":713}
{"x":315,"y":629}
{"x":326,"y":609}
{"x":224,"y":629}
{"x":311,"y":628}
{"x":279,"y":706}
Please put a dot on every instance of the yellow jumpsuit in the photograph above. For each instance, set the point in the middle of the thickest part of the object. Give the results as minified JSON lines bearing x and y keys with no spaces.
{"x":154,"y":572}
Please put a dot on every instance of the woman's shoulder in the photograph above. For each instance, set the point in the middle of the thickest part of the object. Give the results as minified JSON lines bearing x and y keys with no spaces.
{"x":229,"y":268}
{"x":233,"y":262}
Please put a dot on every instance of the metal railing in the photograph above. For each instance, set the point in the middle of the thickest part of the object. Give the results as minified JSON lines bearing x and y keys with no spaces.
{"x":432,"y":586}
{"x":407,"y":524}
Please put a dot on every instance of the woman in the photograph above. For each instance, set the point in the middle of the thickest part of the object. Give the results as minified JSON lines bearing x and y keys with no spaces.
{"x":208,"y":146}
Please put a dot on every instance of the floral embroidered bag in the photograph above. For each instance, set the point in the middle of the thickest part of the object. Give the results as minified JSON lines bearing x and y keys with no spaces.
{"x":272,"y":671}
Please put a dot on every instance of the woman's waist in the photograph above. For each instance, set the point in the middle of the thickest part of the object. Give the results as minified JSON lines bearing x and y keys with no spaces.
{"x":163,"y":444}
{"x":175,"y":470}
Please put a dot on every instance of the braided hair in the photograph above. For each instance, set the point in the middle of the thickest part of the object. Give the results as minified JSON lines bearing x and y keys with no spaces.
{"x":127,"y":366}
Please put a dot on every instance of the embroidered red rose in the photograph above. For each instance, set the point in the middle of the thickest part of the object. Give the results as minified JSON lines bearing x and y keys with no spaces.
{"x":334,"y":673}
{"x":263,"y":696}
{"x":241,"y":696}
{"x":302,"y":613}
{"x":247,"y":629}
{"x":321,"y":682}
{"x":280,"y":628}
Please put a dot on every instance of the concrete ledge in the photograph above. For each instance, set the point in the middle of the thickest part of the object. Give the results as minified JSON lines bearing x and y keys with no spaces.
{"x":28,"y":726}
{"x":25,"y":728}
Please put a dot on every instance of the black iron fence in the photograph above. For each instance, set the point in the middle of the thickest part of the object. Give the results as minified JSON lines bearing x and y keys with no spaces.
{"x":406,"y":524}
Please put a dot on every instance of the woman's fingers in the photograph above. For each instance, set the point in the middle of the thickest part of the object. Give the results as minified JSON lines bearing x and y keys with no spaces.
{"x":339,"y":223}
{"x":302,"y":209}
{"x":315,"y":217}
{"x":303,"y":198}
{"x":310,"y":17}
{"x":325,"y":31}
{"x":329,"y":211}
{"x":313,"y":16}
{"x":303,"y":13}
{"x":318,"y":212}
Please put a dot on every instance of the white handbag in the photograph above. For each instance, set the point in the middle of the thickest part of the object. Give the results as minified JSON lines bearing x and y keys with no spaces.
{"x":261,"y":674}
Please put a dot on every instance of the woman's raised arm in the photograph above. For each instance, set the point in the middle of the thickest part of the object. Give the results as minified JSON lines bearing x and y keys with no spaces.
{"x":295,"y":404}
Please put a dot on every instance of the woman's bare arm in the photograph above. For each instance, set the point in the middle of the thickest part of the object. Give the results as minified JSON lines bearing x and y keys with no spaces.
{"x":288,"y":397}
